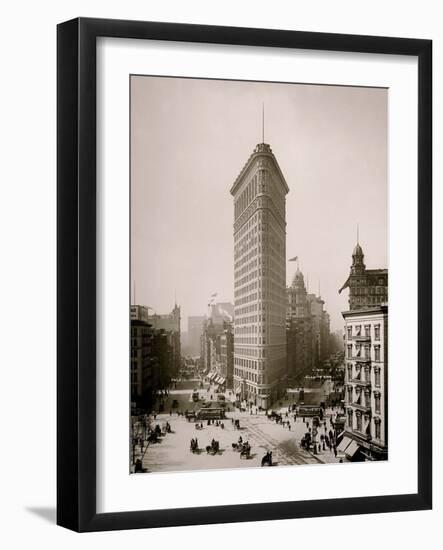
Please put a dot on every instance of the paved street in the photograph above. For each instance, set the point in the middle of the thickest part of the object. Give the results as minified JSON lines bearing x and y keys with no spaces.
{"x":173,"y":452}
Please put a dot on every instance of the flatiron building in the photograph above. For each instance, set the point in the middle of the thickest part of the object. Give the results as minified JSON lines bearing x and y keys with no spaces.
{"x":259,"y":194}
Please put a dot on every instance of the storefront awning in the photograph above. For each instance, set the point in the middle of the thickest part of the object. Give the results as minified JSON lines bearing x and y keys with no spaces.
{"x":238,"y":390}
{"x":352,"y":449}
{"x":222,"y":380}
{"x":344,"y":444}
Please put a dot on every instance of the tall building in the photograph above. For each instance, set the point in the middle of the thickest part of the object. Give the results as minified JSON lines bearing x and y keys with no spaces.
{"x":308,"y":328}
{"x":299,"y":330}
{"x":195,"y":330}
{"x":227,"y":356}
{"x":170,"y":324}
{"x":144,"y":364}
{"x":320,"y":329}
{"x":366,"y":363}
{"x":259,"y":194}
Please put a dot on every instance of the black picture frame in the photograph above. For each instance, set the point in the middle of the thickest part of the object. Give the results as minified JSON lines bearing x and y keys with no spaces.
{"x":76,"y":267}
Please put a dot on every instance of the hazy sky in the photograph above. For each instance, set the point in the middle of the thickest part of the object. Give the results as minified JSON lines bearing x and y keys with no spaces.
{"x":190,"y":139}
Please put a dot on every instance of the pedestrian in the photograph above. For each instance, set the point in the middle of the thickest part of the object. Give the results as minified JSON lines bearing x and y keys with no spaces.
{"x":335,"y":451}
{"x":289,"y":426}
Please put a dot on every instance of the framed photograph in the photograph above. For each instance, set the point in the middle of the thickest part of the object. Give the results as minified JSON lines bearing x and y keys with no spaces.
{"x":244,"y":274}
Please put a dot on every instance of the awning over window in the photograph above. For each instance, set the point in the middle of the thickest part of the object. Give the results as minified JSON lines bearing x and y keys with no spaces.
{"x":238,"y":390}
{"x":352,"y":449}
{"x":344,"y":444}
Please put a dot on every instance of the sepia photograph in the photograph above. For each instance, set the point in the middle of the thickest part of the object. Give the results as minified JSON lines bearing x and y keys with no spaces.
{"x":259,"y":274}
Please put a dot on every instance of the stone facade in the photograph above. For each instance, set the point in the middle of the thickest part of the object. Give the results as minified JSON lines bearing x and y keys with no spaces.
{"x":366,"y":380}
{"x":260,"y":279}
{"x":366,"y":362}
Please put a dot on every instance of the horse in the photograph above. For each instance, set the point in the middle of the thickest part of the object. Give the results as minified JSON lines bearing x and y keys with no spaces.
{"x":266,"y":460}
{"x":245,"y":452}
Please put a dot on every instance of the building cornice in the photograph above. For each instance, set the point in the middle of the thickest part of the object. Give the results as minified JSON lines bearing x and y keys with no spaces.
{"x":381,"y":310}
{"x":261,"y":150}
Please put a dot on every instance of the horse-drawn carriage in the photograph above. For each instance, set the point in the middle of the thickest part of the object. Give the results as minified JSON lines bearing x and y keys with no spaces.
{"x":244,"y":448}
{"x":213,"y":448}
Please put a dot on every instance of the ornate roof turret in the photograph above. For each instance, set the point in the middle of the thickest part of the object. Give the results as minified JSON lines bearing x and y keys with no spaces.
{"x":298,"y":279}
{"x":358,"y":251}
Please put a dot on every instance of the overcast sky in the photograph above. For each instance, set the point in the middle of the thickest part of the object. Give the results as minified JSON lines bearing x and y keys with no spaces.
{"x":189,"y":140}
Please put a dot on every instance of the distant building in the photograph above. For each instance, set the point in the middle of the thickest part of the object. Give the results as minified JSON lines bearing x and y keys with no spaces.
{"x":170,"y":323}
{"x":221,"y":312}
{"x":320,"y":329}
{"x":155,"y":353}
{"x":299,"y":330}
{"x":216,"y":355}
{"x":145,"y":365}
{"x":195,"y":330}
{"x":307,"y":329}
{"x":366,"y":363}
{"x":227,"y":356}
{"x":260,"y":278}
{"x":140,"y":313}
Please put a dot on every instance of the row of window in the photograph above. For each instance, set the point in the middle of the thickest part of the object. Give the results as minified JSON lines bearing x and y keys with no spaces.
{"x":249,"y":352}
{"x":363,"y":330}
{"x":363,"y":374}
{"x":357,"y":396}
{"x":245,"y":257}
{"x":358,"y":425}
{"x":246,"y":197}
{"x":251,"y":376}
{"x":363,"y":352}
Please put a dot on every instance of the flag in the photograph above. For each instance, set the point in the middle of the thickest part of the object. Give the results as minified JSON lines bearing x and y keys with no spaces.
{"x":213,"y":295}
{"x":294,"y":259}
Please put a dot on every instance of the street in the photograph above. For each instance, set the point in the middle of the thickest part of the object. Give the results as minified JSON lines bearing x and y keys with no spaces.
{"x":173,"y":452}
